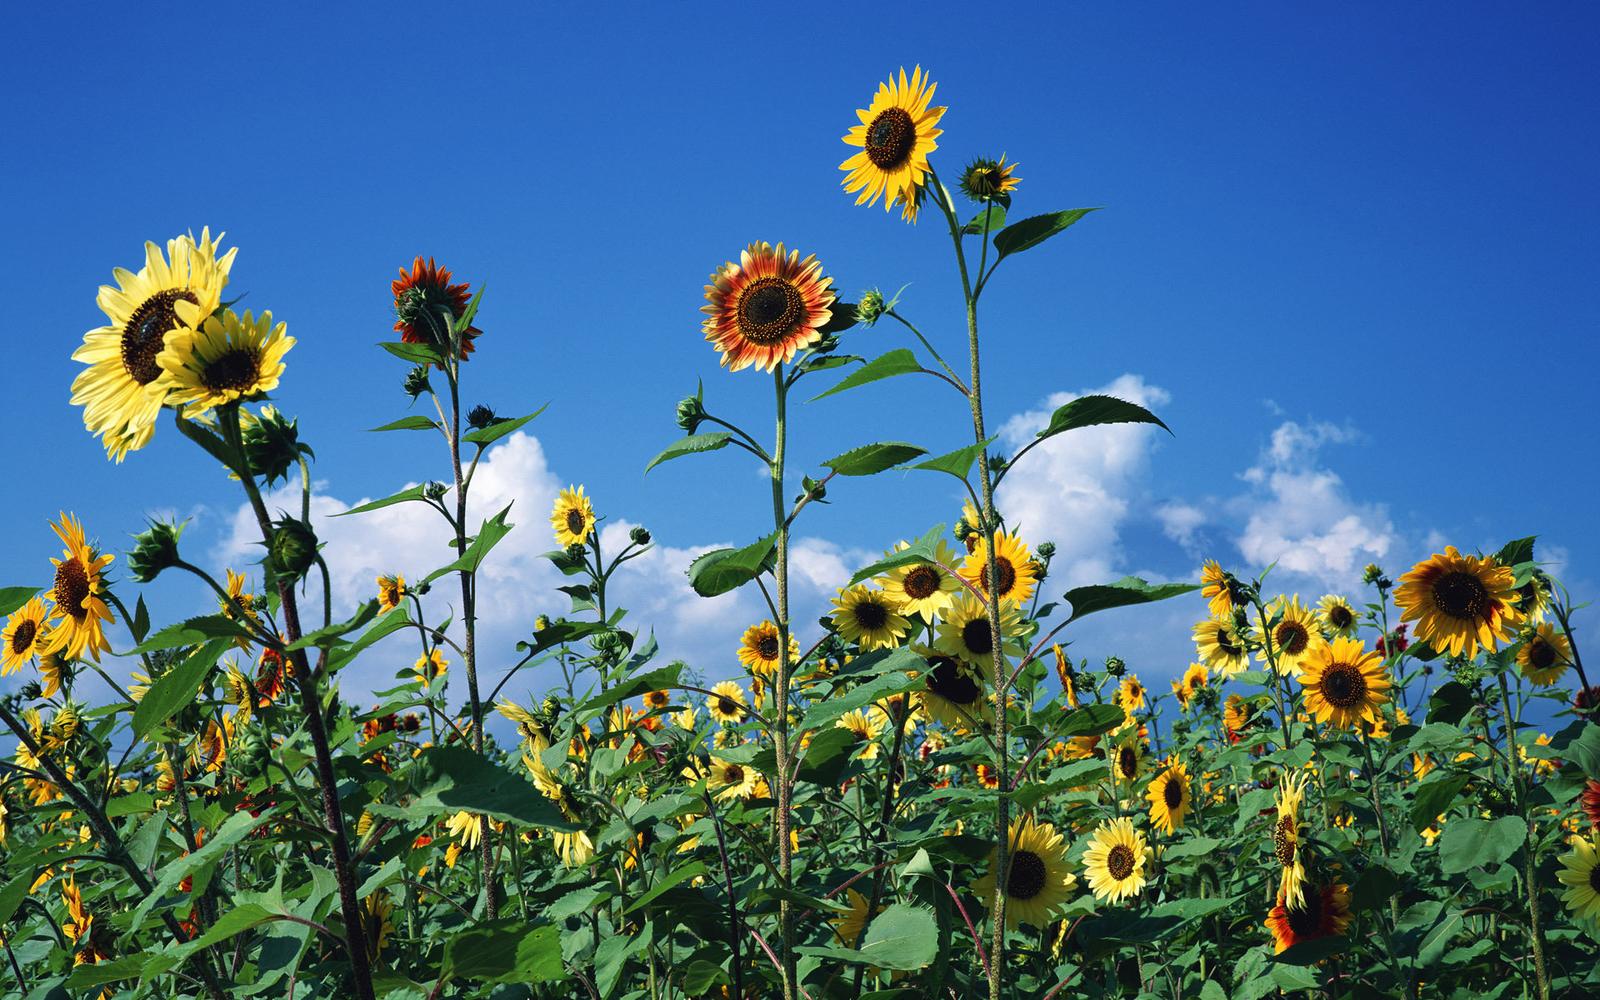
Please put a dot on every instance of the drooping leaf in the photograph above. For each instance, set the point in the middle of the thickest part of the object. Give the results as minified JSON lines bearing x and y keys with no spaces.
{"x":1434,"y":798}
{"x":192,"y":632}
{"x":992,"y":218}
{"x":409,"y":493}
{"x":902,"y":937}
{"x":1034,"y":230}
{"x":1089,"y":411}
{"x":870,"y":459}
{"x":692,"y":445}
{"x":234,"y":829}
{"x":899,"y":361}
{"x":1127,"y":591}
{"x":721,"y":570}
{"x":825,"y":713}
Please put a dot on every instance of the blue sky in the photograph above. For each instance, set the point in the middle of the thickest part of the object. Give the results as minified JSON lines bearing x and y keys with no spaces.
{"x":1349,"y":258}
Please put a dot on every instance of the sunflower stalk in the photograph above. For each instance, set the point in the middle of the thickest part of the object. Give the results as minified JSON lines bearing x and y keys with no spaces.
{"x":780,"y":691}
{"x":1530,"y":851}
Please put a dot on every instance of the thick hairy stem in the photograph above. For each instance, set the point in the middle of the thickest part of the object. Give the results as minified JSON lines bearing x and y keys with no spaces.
{"x":781,"y":693}
{"x":1530,"y":858}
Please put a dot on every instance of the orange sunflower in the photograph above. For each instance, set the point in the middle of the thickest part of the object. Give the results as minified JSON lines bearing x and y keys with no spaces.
{"x":418,"y":296}
{"x":1326,"y":912}
{"x":766,"y":307}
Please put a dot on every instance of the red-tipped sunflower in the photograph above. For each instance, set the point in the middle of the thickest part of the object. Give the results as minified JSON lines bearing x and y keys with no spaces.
{"x":1326,"y":912}
{"x":419,"y":293}
{"x":766,"y":307}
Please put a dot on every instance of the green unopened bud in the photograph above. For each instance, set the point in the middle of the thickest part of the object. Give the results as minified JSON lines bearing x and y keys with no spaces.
{"x":481,"y":416}
{"x":691,"y":411}
{"x":1047,"y":550}
{"x":272,"y":443}
{"x":639,"y":536}
{"x":293,"y":548}
{"x":1371,"y":573}
{"x":435,"y":490}
{"x":154,"y":549}
{"x":550,"y":708}
{"x":31,"y":691}
{"x":872,"y":306}
{"x":1115,"y":667}
{"x":826,"y":345}
{"x":417,"y":381}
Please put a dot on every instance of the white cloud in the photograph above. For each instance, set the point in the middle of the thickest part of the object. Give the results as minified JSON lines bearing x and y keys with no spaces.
{"x":1182,"y":522}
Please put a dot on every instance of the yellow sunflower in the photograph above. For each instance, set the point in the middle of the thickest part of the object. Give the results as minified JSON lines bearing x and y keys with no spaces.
{"x":1013,"y":568}
{"x":245,"y":601}
{"x":989,"y":180}
{"x":1037,"y":881}
{"x":1064,"y":673}
{"x":431,"y":664}
{"x":79,"y":609}
{"x":1194,"y":678}
{"x":1337,"y":617}
{"x":656,"y":701}
{"x":1128,"y":757}
{"x":377,"y":916}
{"x":1533,"y":598}
{"x":1344,"y":683}
{"x":1325,"y":913}
{"x":1544,"y":655}
{"x":1219,"y":646}
{"x":868,"y":618}
{"x":1580,"y":873}
{"x":954,"y":694}
{"x":231,"y":357}
{"x":1169,"y":798}
{"x":924,"y":588}
{"x":572,"y":518}
{"x":733,"y":780}
{"x":1219,"y":589}
{"x":849,"y":924}
{"x":763,"y":309}
{"x":759,"y":649}
{"x":1130,"y":694}
{"x":896,"y":134}
{"x":1459,"y":602}
{"x":464,"y":827}
{"x":866,"y":727}
{"x":1293,"y":638}
{"x":965,"y":633}
{"x":1114,"y":862}
{"x":391,"y":591}
{"x":1286,"y":836}
{"x":727,"y":703}
{"x":122,"y":390}
{"x":26,"y":632}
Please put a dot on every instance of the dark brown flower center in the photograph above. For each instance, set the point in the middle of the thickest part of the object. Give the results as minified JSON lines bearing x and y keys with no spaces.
{"x":1172,"y":793}
{"x":1292,"y":638}
{"x":237,"y":370}
{"x":1461,"y":595}
{"x":1341,"y":617}
{"x":727,"y":706}
{"x":22,"y":638}
{"x":1541,"y":654}
{"x":145,"y":333}
{"x":1344,"y":685}
{"x":1305,"y":922}
{"x":1028,"y":873}
{"x":576,"y":521}
{"x":1283,"y":841}
{"x":890,"y":138}
{"x":1594,"y":878}
{"x":1225,"y":641}
{"x":1127,"y":762}
{"x":976,"y":636}
{"x":950,"y":682}
{"x":769,"y":310}
{"x":870,"y":615}
{"x":1119,"y":861}
{"x":732,"y":774}
{"x":1004,"y":572}
{"x":72,"y":586}
{"x":767,"y":647}
{"x":921,"y":582}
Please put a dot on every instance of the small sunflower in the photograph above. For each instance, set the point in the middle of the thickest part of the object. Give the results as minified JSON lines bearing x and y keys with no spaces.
{"x":848,"y":925}
{"x":391,"y":591}
{"x":733,"y":780}
{"x":272,"y":675}
{"x":727,"y":704}
{"x":1337,"y":617}
{"x":1220,"y":589}
{"x":1194,"y":678}
{"x":231,"y":357}
{"x":1287,"y":834}
{"x":421,"y":295}
{"x":1237,"y":714}
{"x":897,"y":132}
{"x":1544,"y":655}
{"x":1130,"y":694}
{"x":26,"y":632}
{"x":1293,"y":638}
{"x":1219,"y":646}
{"x":1014,"y":568}
{"x":1533,"y":598}
{"x":1326,"y":913}
{"x":866,"y":727}
{"x":954,"y":694}
{"x":1037,"y":881}
{"x":431,"y":664}
{"x":1128,"y":757}
{"x":1169,"y":798}
{"x":656,"y":701}
{"x":924,"y":588}
{"x":965,"y":631}
{"x":763,"y":309}
{"x":573,"y":517}
{"x":1344,"y":683}
{"x":988,"y":777}
{"x":1459,"y":602}
{"x":867,"y":618}
{"x":759,"y":649}
{"x":989,"y":180}
{"x":246,"y":602}
{"x":1114,"y":862}
{"x":1064,"y":674}
{"x":79,"y":609}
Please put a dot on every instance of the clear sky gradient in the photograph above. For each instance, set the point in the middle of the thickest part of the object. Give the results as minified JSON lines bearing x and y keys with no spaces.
{"x":1377,"y":227}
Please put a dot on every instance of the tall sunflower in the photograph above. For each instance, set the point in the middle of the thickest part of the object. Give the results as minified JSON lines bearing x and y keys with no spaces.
{"x":731,"y":779}
{"x":868,"y":618}
{"x":1114,"y":862}
{"x":1337,"y":617}
{"x":954,"y":694}
{"x":1460,"y":602}
{"x":1544,"y":655}
{"x":1293,"y":637}
{"x":1219,"y":646}
{"x":1130,"y":694}
{"x":1344,"y":683}
{"x":924,"y":588}
{"x":572,"y":517}
{"x":727,"y":703}
{"x":229,"y":358}
{"x":1287,"y":833}
{"x":421,"y":298}
{"x":122,"y":391}
{"x":1037,"y":881}
{"x":1014,"y":570}
{"x":26,"y":632}
{"x":964,"y":632}
{"x":79,"y":608}
{"x":1169,"y":798}
{"x":1325,"y":913}
{"x":759,"y":649}
{"x":1580,"y":873}
{"x":1220,"y":589}
{"x":763,"y":309}
{"x":897,"y":132}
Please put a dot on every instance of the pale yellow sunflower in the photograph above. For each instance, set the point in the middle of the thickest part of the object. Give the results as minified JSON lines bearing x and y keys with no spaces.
{"x":965,"y":631}
{"x":727,"y":703}
{"x":954,"y":694}
{"x":1219,"y":646}
{"x":1287,"y":834}
{"x":866,"y":727}
{"x":231,"y":357}
{"x":1337,"y":617}
{"x":1580,"y":873}
{"x":867,"y":618}
{"x":1544,"y":655}
{"x":1115,"y":860}
{"x":924,"y":588}
{"x":1169,"y":798}
{"x":1293,"y":637}
{"x":732,"y":780}
{"x":1037,"y":879}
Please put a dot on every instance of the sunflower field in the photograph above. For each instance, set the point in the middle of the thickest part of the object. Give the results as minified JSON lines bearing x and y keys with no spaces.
{"x":927,"y":793}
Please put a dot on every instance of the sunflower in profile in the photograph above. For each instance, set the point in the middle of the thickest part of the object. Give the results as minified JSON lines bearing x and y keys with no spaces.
{"x":1193,"y":679}
{"x":1544,"y":655}
{"x":969,"y":526}
{"x":575,"y":848}
{"x":759,"y":649}
{"x":1114,"y":862}
{"x":965,"y":633}
{"x":1337,"y":617}
{"x":1014,"y":568}
{"x":391,"y":591}
{"x":1344,"y":684}
{"x":866,"y":727}
{"x":1237,"y":714}
{"x":272,"y":675}
{"x":727,"y":703}
{"x":1533,"y":598}
{"x":1459,"y":602}
{"x":1325,"y":913}
{"x":25,"y":633}
{"x":422,"y":296}
{"x":867,"y":618}
{"x":1130,"y":694}
{"x":121,"y":391}
{"x":897,"y":132}
{"x":245,"y":602}
{"x":1066,"y":675}
{"x":732,"y":780}
{"x":1036,"y":881}
{"x":1219,"y":646}
{"x":763,"y":309}
{"x":1169,"y":798}
{"x":1287,"y":834}
{"x":79,"y":609}
{"x":377,"y":917}
{"x":954,"y":694}
{"x":229,"y":358}
{"x":1293,"y":637}
{"x":1220,"y":589}
{"x":924,"y":588}
{"x":572,"y":517}
{"x":849,"y":924}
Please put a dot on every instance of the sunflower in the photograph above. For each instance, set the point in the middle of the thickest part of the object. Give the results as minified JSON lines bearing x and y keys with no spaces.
{"x":866,"y":727}
{"x":1344,"y":683}
{"x":391,"y":591}
{"x":245,"y":601}
{"x":1237,"y":714}
{"x":122,"y":391}
{"x":464,"y":827}
{"x":272,"y":675}
{"x":230,"y":357}
{"x":1337,"y":617}
{"x":763,"y":309}
{"x":1037,"y":881}
{"x":989,"y":180}
{"x":1194,"y":678}
{"x":954,"y":694}
{"x":1589,"y":801}
{"x":1287,"y":833}
{"x":1459,"y":602}
{"x":25,"y":633}
{"x":759,"y":649}
{"x":1533,"y":598}
{"x":727,"y":703}
{"x":1114,"y":862}
{"x":79,"y":919}
{"x":1013,"y":567}
{"x":419,"y":297}
{"x":1130,"y":694}
{"x":1219,"y":588}
{"x":79,"y":609}
{"x":1064,"y":673}
{"x":1219,"y":646}
{"x":377,"y":916}
{"x":965,"y":631}
{"x":923,"y":588}
{"x":1544,"y":655}
{"x":988,"y":777}
{"x":1325,"y":913}
{"x":1128,"y":757}
{"x":1169,"y":798}
{"x":656,"y":701}
{"x":896,"y":134}
{"x":735,"y":781}
{"x":572,"y":518}
{"x":849,"y":924}
{"x":868,"y":618}
{"x":1292,"y":639}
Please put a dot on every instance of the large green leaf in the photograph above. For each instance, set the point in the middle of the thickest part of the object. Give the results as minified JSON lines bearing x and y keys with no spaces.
{"x":870,"y":459}
{"x":409,"y":493}
{"x":486,"y":436}
{"x":192,"y":632}
{"x":1034,"y":230}
{"x":1434,"y":798}
{"x":414,"y":422}
{"x":922,"y":550}
{"x":992,"y":218}
{"x":508,"y":950}
{"x":12,"y":598}
{"x":239,"y":918}
{"x":899,"y":361}
{"x":691,"y":445}
{"x":234,"y":829}
{"x":417,"y":354}
{"x":825,"y":713}
{"x":1127,"y":591}
{"x":902,"y":937}
{"x":454,"y":779}
{"x":1088,"y":411}
{"x":492,"y":530}
{"x":957,"y":463}
{"x":721,"y":570}
{"x":176,"y":688}
{"x":1470,"y":843}
{"x":1517,"y":551}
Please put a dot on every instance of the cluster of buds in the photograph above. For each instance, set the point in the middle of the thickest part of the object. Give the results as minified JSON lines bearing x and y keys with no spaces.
{"x":481,"y":416}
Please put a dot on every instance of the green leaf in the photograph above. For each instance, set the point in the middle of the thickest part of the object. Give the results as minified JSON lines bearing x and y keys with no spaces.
{"x":826,"y":756}
{"x":191,"y":632}
{"x":176,"y":688}
{"x":409,"y":493}
{"x":870,"y":459}
{"x":902,"y":937}
{"x":1374,"y":888}
{"x":1434,"y":799}
{"x":1295,"y":977}
{"x":240,"y":917}
{"x":666,"y":882}
{"x":1032,"y":231}
{"x":899,"y":361}
{"x":500,"y":428}
{"x":691,"y":445}
{"x":454,"y":779}
{"x":508,"y":950}
{"x":1091,"y":720}
{"x":994,"y":215}
{"x":234,"y":829}
{"x":85,"y":977}
{"x":12,"y":598}
{"x":825,"y":713}
{"x":843,"y":318}
{"x":1470,"y":843}
{"x":415,"y":422}
{"x":660,"y":679}
{"x":14,"y":893}
{"x":460,"y":324}
{"x":721,"y":570}
{"x":1517,"y":551}
{"x":394,"y":621}
{"x":957,"y":463}
{"x":1089,"y":411}
{"x":1127,"y":591}
{"x":493,"y":529}
{"x":1586,"y":750}
{"x":922,"y":550}
{"x":417,"y":354}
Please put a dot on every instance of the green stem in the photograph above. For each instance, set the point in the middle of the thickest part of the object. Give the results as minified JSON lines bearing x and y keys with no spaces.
{"x":781,"y":687}
{"x":1530,"y":851}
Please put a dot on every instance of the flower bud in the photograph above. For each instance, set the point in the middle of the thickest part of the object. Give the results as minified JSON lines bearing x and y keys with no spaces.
{"x":639,"y":536}
{"x":154,"y":549}
{"x":435,"y":490}
{"x":1115,"y":667}
{"x":481,"y":416}
{"x":871,"y":307}
{"x":691,"y":411}
{"x":292,"y":549}
{"x":416,"y":382}
{"x":272,"y":443}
